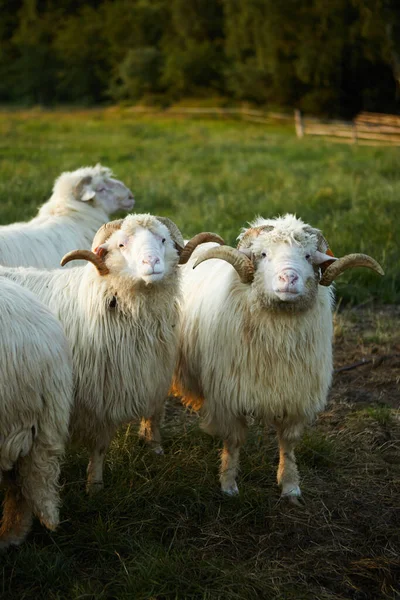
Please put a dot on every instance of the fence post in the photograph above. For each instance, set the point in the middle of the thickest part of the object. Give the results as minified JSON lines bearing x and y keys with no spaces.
{"x":298,"y":121}
{"x":354,"y":132}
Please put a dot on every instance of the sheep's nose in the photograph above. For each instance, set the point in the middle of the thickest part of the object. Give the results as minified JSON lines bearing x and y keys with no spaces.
{"x":290,"y":277}
{"x":151,"y":260}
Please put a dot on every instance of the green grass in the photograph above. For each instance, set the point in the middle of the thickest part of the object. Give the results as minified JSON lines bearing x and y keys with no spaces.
{"x":161,"y":530}
{"x":380,"y":415}
{"x":217,"y":175}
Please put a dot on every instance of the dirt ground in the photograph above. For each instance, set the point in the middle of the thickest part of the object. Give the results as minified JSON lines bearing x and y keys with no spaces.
{"x":372,"y":336}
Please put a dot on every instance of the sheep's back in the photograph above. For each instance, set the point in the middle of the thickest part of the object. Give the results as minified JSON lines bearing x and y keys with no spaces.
{"x":42,"y":242}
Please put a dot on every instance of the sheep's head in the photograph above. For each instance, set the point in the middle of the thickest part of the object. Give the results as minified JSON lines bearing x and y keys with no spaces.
{"x":142,"y":247}
{"x":286,"y":260}
{"x":96,"y":186}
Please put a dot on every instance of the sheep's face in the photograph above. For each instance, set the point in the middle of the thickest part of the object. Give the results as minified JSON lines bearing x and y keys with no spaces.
{"x":108,"y":193}
{"x":286,"y":273}
{"x":94,"y":186}
{"x":286,"y":259}
{"x":141,"y":249}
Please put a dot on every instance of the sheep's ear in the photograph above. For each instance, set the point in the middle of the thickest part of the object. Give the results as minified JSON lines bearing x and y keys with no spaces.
{"x":101,"y":250}
{"x":82,"y":192}
{"x":321,"y":257}
{"x":88,"y":195}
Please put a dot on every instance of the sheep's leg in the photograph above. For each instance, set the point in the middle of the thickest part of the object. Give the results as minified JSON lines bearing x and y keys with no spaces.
{"x":288,"y":474}
{"x":39,"y":473}
{"x":149,"y":431}
{"x":94,"y":481}
{"x":230,"y":456}
{"x":17,"y":517}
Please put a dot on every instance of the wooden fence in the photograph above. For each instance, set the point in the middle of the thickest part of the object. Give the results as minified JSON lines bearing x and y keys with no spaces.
{"x":366,"y":128}
{"x":247,"y":114}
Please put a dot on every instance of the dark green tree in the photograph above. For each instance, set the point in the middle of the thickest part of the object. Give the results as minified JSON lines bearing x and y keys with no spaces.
{"x":84,"y":58}
{"x":133,"y":33}
{"x":32,"y":73}
{"x":193,"y":47}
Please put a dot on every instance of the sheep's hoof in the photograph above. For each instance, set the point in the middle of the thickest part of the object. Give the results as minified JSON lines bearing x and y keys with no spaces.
{"x":49,"y":516}
{"x":142,"y":441}
{"x":293,"y":497}
{"x":154,"y":446}
{"x":50,"y":523}
{"x":92,"y":487}
{"x":231,"y":490}
{"x":8,"y":541}
{"x":296,"y":501}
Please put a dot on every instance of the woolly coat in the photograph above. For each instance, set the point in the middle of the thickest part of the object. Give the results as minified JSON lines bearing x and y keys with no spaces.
{"x":237,"y":358}
{"x":61,"y":225}
{"x":123,"y":337}
{"x":36,"y":392}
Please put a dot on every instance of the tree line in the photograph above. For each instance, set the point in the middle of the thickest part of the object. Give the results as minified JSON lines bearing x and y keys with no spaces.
{"x":323,"y":56}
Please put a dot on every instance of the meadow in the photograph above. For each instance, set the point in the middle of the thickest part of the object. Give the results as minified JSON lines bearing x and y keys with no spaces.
{"x":161,"y":529}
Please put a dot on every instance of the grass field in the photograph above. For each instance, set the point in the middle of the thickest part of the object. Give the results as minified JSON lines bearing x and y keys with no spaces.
{"x":161,"y":529}
{"x":216,"y":175}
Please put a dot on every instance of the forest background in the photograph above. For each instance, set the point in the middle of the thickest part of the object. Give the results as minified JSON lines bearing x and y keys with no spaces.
{"x":331,"y":57}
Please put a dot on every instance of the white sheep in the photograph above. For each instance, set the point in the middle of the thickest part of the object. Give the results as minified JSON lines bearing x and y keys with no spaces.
{"x":121,"y":317}
{"x":81,"y":202}
{"x":35,"y":403}
{"x":260,"y":344}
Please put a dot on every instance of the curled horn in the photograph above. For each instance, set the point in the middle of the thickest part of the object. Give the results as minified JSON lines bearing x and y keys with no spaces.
{"x":174,"y":231}
{"x":101,"y":267}
{"x":185,"y":252}
{"x":332,"y":270}
{"x":239,"y":261}
{"x":348,"y":262}
{"x":200,"y":238}
{"x":322,"y":244}
{"x":79,"y":186}
{"x":105,"y":232}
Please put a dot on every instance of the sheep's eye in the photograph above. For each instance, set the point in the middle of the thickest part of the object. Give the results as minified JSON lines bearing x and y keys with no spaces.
{"x":121,"y":245}
{"x":264,"y":254}
{"x":308,"y":256}
{"x":163,"y":241}
{"x":101,"y":190}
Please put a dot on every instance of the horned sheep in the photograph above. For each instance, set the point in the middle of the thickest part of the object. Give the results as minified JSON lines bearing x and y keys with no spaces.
{"x":121,"y":317}
{"x":35,"y":404}
{"x":81,"y":202}
{"x":260,"y":344}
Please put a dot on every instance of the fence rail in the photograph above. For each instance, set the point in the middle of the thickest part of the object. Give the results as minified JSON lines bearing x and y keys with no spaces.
{"x":366,"y":128}
{"x":375,"y":128}
{"x":246,"y":113}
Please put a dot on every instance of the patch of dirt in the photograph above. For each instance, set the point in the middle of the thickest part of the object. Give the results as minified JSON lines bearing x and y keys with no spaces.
{"x":371,"y":337}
